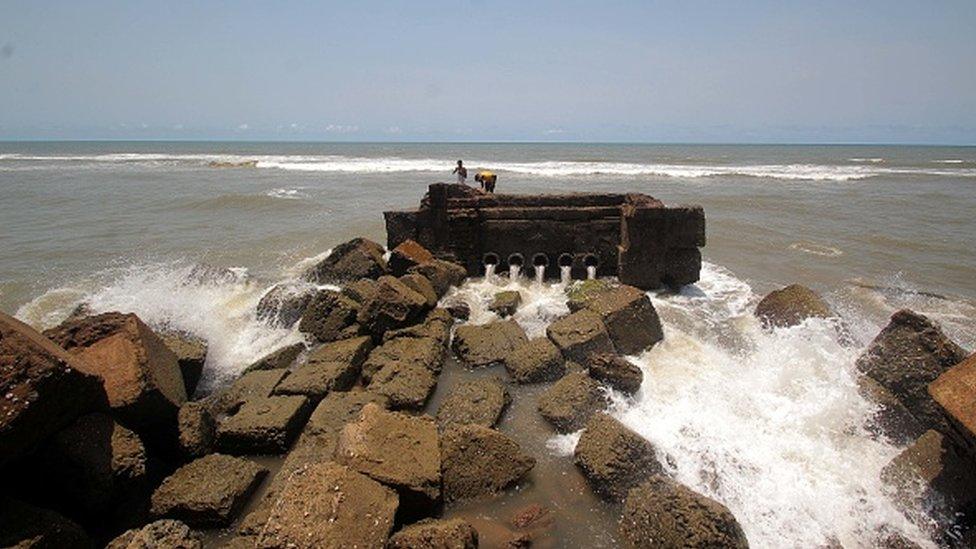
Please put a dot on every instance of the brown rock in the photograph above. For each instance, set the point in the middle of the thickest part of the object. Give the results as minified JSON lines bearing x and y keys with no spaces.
{"x":422,"y":286}
{"x":140,"y":373}
{"x":488,"y":343}
{"x":255,"y":384}
{"x":196,"y":426}
{"x":481,"y":402}
{"x":535,"y":361}
{"x":908,"y":354}
{"x":955,"y":392}
{"x":442,"y":274}
{"x":569,"y":403}
{"x":207,"y":492}
{"x":25,"y":526}
{"x":579,"y":294}
{"x":395,"y":305}
{"x":420,"y":352}
{"x":613,"y":458}
{"x":436,"y":326}
{"x":892,"y":419}
{"x":191,"y":355}
{"x":436,"y":534}
{"x":265,"y":425}
{"x":360,"y":291}
{"x":284,"y":304}
{"x":358,"y":258}
{"x":617,"y":372}
{"x":532,"y":516}
{"x":162,"y":534}
{"x":351,"y":351}
{"x":405,"y":386}
{"x":790,"y":306}
{"x":580,"y":335}
{"x":505,"y":303}
{"x":630,"y":318}
{"x":406,"y":255}
{"x":328,"y":316}
{"x":277,"y":359}
{"x":479,"y":461}
{"x":396,"y":449}
{"x":459,"y":311}
{"x":315,"y":379}
{"x":43,"y":389}
{"x":663,"y":513}
{"x":330,"y":506}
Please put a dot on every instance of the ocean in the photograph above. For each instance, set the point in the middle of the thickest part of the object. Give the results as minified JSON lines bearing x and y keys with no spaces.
{"x":769,"y":423}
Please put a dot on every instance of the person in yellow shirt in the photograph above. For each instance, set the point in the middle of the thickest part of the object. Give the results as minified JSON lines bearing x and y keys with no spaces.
{"x":487,"y":180}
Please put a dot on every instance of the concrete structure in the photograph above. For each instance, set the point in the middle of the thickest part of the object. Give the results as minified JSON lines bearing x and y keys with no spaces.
{"x":632,"y":236}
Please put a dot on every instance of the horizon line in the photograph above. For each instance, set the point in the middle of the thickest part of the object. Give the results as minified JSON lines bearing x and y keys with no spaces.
{"x":495,"y":142}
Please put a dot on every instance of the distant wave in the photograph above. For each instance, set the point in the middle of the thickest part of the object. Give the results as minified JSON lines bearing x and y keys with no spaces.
{"x":871,"y":160}
{"x":949,"y":161}
{"x":553,"y":168}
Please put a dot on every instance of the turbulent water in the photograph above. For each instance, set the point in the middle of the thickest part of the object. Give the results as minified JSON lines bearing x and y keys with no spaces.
{"x":769,"y":423}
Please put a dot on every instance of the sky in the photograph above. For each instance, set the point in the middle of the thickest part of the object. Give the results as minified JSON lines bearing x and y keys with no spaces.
{"x":480,"y":70}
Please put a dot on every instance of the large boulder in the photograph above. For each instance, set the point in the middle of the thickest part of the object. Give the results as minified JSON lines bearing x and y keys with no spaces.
{"x":908,"y":354}
{"x":398,"y":450}
{"x":580,"y":335}
{"x":191,"y":355}
{"x":329,"y":316}
{"x":481,"y":402}
{"x":277,"y":359}
{"x":360,"y":291}
{"x":254,"y":384}
{"x":487,"y":344}
{"x":613,"y":458}
{"x":405,"y":351}
{"x":436,"y":534}
{"x":891,"y":419}
{"x":283,"y":304}
{"x":24,"y":526}
{"x":197,"y":429}
{"x":505,"y":303}
{"x":630,"y":318}
{"x":158,"y":535}
{"x":329,"y":505}
{"x":315,"y":379}
{"x":617,"y":372}
{"x":405,"y":386}
{"x":140,"y":373}
{"x":580,"y":293}
{"x":357,"y":258}
{"x":535,"y":361}
{"x":478,"y":461}
{"x":955,"y":393}
{"x":661,"y":513}
{"x":436,"y":326}
{"x":395,"y":305}
{"x":570,"y":402}
{"x":207,"y":492}
{"x":422,"y":286}
{"x":790,"y":306}
{"x":406,"y":255}
{"x":442,"y":274}
{"x":351,"y":351}
{"x":43,"y":389}
{"x":263,"y":425}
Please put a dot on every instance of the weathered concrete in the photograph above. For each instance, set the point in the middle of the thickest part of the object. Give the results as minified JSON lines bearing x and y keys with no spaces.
{"x":263,"y":425}
{"x":207,"y":492}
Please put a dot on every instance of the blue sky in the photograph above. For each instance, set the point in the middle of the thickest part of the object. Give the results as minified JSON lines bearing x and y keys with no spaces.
{"x":682,"y":71}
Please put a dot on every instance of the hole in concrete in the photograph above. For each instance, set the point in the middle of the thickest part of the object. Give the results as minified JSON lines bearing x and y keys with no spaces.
{"x":516,"y":260}
{"x":591,"y":260}
{"x":540,"y":260}
{"x":566,"y":260}
{"x":491,"y":258}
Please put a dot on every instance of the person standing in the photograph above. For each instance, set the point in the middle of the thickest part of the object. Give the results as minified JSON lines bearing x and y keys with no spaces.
{"x":487,"y":180}
{"x":462,"y":173}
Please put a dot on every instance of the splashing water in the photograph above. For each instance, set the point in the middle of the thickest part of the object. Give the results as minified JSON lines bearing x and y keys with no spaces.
{"x":591,"y":272}
{"x":490,"y":272}
{"x":540,"y":274}
{"x":513,"y":272}
{"x":565,"y":275}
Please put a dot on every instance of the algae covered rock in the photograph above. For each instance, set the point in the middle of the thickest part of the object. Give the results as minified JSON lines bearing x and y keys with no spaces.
{"x":790,"y":306}
{"x":505,"y":303}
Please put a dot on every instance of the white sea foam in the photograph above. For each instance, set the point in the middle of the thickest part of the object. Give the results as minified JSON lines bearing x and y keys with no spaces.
{"x":816,"y":249}
{"x":541,"y":303}
{"x":288,"y":194}
{"x":871,"y":160}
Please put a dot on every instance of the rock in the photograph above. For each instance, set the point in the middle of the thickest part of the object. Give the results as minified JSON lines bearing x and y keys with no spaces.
{"x":284,"y":304}
{"x":328,"y":315}
{"x":580,"y":335}
{"x":436,"y":326}
{"x":395,"y":305}
{"x":570,"y":402}
{"x":488,"y":343}
{"x":43,"y":389}
{"x":405,"y":386}
{"x":24,"y":526}
{"x":505,"y":303}
{"x":255,"y":384}
{"x":663,"y":513}
{"x":421,"y":352}
{"x":442,"y":274}
{"x":436,"y":534}
{"x":360,"y":291}
{"x":324,"y":505}
{"x":459,"y":311}
{"x":207,"y":492}
{"x":422,"y":286}
{"x":351,"y":351}
{"x":892,"y":419}
{"x":532,"y":516}
{"x":579,"y":294}
{"x":481,"y":402}
{"x":406,"y":255}
{"x":479,"y":461}
{"x":535,"y":361}
{"x":908,"y":354}
{"x":191,"y":355}
{"x":196,"y":426}
{"x":941,"y":469}
{"x":263,"y":425}
{"x":398,"y":450}
{"x":955,"y":392}
{"x":790,"y":306}
{"x":358,"y":258}
{"x":162,"y":534}
{"x":629,"y":316}
{"x":140,"y":373}
{"x":316,"y":378}
{"x":613,"y":458}
{"x":617,"y":372}
{"x":277,"y":359}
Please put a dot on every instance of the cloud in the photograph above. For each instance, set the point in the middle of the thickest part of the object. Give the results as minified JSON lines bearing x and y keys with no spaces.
{"x":339,"y":128}
{"x":243,"y":127}
{"x":554,"y":131}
